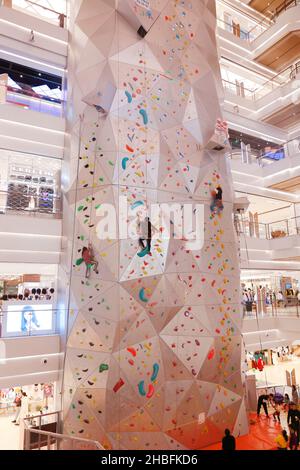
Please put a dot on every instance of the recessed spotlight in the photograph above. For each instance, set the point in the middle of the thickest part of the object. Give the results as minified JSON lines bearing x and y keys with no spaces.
{"x":40,"y":74}
{"x":21,"y":76}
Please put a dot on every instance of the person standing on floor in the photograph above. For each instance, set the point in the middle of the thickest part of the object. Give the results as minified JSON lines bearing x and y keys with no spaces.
{"x":276,"y":413}
{"x":18,"y":403}
{"x":262,"y":402}
{"x":295,"y":397}
{"x":24,"y":408}
{"x":286,"y":401}
{"x":228,"y":441}
{"x":293,"y":419}
{"x":293,"y":441}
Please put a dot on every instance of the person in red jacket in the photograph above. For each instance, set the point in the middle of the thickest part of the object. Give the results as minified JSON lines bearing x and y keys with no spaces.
{"x":260,"y":364}
{"x":89,"y":259}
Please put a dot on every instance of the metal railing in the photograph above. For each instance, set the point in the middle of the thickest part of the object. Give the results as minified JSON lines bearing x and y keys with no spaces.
{"x":289,"y":307}
{"x":41,"y":432}
{"x":44,"y":12}
{"x":28,"y":99}
{"x":238,"y":89}
{"x":24,"y":200}
{"x":281,"y":79}
{"x":270,"y":19}
{"x":269,"y":155}
{"x":284,"y":6}
{"x":270,"y":231}
{"x":236,"y":29}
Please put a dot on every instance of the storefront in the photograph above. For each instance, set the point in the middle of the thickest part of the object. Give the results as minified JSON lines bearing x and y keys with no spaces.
{"x":269,"y":292}
{"x":29,"y":183}
{"x":40,"y":399}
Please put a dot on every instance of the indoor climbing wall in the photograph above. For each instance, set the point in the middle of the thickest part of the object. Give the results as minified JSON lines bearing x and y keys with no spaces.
{"x":154,"y":344}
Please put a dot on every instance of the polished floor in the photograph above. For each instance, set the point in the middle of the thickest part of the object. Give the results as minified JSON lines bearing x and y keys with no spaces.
{"x":276,"y":374}
{"x":9,"y":433}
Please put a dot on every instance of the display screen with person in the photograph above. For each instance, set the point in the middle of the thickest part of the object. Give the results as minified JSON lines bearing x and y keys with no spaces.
{"x":29,"y":320}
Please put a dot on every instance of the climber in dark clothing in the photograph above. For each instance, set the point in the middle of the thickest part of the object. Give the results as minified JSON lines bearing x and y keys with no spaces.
{"x":219,"y":193}
{"x":262,"y":402}
{"x":217,"y":196}
{"x":293,"y":419}
{"x":145,"y":230}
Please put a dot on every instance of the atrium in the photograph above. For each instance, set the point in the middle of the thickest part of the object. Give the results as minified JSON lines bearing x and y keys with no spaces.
{"x":150,"y":225}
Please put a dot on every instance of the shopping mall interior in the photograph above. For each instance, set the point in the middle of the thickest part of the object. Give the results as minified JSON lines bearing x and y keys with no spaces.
{"x":150,"y":224}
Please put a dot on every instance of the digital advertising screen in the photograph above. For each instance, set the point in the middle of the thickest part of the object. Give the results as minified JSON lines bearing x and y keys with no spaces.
{"x":28,"y":319}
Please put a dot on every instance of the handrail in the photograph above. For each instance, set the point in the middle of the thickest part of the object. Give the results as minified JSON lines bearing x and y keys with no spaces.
{"x":61,"y":16}
{"x":287,"y":75}
{"x":52,"y":435}
{"x":284,"y":6}
{"x":242,"y":30}
{"x":267,"y":21}
{"x":269,"y":231}
{"x":65,"y":436}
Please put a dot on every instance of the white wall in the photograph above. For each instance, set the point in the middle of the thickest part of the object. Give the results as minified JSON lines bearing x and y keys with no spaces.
{"x":49,"y":47}
{"x":24,"y":360}
{"x":266,"y":333}
{"x":29,"y":239}
{"x":29,"y":131}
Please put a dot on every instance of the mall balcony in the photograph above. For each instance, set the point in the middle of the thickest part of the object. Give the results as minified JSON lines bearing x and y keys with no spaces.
{"x":274,"y":100}
{"x":273,"y":42}
{"x":30,"y":208}
{"x":267,"y":167}
{"x":42,"y":39}
{"x":30,"y":121}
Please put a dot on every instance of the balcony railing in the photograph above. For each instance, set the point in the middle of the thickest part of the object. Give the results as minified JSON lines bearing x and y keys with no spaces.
{"x":265,"y":157}
{"x":52,"y":11}
{"x":270,"y":231}
{"x":238,"y":89}
{"x":234,"y":29}
{"x":251,"y":34}
{"x":287,"y":308}
{"x":28,"y":99}
{"x":41,"y":432}
{"x":273,"y":14}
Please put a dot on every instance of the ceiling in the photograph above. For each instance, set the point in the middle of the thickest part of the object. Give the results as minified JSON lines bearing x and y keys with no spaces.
{"x":28,"y":75}
{"x":283,"y":53}
{"x":269,"y":210}
{"x":236,"y":138}
{"x":268,"y":7}
{"x":291,"y":185}
{"x":285,"y":117}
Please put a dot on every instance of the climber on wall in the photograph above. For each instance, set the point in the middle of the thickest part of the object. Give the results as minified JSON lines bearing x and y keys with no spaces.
{"x":217,"y":202}
{"x":145,"y":230}
{"x":87,"y":256}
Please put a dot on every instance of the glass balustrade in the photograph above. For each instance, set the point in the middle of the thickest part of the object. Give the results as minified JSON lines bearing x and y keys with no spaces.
{"x":269,"y":231}
{"x":26,"y":98}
